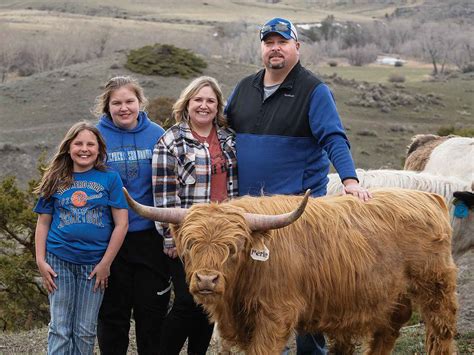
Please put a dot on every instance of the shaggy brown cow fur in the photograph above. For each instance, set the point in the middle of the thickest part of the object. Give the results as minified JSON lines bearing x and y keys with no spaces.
{"x":346,"y":268}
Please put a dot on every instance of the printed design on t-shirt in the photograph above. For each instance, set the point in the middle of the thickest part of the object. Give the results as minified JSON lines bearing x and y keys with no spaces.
{"x":75,"y":206}
{"x":219,"y":165}
{"x":127,"y":160}
{"x":79,"y":198}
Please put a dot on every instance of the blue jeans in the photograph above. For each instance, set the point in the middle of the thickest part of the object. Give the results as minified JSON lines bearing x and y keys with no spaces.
{"x":74,"y":307}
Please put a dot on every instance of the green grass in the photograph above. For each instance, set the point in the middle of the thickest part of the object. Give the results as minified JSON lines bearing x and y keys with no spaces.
{"x":411,"y":340}
{"x":377,"y":74}
{"x":465,"y":343}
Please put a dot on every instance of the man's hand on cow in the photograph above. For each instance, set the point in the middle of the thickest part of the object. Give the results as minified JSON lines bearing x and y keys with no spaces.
{"x":48,"y":275}
{"x":352,"y":187}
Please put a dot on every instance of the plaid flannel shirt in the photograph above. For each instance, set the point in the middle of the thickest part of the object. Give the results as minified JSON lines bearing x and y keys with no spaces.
{"x":181,"y":170}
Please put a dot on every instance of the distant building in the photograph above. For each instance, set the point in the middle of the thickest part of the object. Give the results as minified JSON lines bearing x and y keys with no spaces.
{"x":390,"y":61}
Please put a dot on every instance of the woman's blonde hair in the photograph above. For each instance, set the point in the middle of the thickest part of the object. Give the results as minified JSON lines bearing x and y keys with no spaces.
{"x":58,"y":174}
{"x":180,"y":107}
{"x":102,"y":101}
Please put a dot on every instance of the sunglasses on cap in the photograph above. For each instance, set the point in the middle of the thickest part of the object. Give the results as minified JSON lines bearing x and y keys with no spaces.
{"x":278,"y":27}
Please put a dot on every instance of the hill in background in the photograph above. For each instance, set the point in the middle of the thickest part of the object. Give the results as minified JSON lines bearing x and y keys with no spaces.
{"x":380,"y":116}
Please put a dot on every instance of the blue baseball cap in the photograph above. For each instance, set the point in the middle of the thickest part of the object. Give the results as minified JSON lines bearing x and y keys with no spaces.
{"x":280,"y":26}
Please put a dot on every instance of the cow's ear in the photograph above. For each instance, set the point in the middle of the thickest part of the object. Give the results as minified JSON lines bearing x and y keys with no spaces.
{"x":465,"y":196}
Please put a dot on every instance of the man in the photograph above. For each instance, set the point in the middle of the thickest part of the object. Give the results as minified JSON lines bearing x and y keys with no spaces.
{"x":288,"y":132}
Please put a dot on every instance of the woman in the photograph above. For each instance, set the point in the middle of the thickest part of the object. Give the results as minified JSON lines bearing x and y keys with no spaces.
{"x":194,"y":162}
{"x":139,"y":280}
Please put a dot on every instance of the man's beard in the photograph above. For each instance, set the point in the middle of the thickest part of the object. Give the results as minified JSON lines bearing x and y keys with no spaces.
{"x":279,"y":65}
{"x":276,"y":66}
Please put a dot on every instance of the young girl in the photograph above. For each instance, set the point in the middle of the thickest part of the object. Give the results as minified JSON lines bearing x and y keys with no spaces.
{"x":82,"y":222}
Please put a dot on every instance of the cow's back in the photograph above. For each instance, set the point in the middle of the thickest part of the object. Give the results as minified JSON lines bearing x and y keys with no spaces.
{"x":344,"y":261}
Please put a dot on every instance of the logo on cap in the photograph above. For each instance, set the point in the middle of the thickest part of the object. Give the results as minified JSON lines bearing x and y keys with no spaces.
{"x":281,"y":26}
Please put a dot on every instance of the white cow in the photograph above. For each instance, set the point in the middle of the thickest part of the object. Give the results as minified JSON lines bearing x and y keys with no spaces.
{"x":453,"y":157}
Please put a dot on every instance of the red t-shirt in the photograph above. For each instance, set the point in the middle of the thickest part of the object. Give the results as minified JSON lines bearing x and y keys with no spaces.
{"x":218,"y":166}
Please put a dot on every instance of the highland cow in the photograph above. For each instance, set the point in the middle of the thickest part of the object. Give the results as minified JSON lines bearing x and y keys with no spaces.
{"x":457,"y":193}
{"x":350,"y":269}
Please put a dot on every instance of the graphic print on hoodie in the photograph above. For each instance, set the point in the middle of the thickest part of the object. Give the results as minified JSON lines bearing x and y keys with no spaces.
{"x":129,"y":152}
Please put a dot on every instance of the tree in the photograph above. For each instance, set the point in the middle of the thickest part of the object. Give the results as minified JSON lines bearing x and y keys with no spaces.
{"x":8,"y":53}
{"x":359,"y":56}
{"x":357,"y":35}
{"x":437,"y":43}
{"x":329,"y":29}
{"x":463,"y":55}
{"x":23,"y":299}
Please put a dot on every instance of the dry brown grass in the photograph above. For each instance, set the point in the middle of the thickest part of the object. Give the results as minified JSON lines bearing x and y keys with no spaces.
{"x":223,"y":10}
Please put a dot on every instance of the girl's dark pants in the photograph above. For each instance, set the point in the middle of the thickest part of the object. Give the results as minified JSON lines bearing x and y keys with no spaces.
{"x":137,"y":276}
{"x":186,"y":320}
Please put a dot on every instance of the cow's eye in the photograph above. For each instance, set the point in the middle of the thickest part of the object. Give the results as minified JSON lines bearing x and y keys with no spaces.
{"x":232,"y":250}
{"x":189,"y":245}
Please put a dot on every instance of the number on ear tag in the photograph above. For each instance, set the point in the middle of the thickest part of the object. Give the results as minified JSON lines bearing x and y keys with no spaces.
{"x":260,"y":254}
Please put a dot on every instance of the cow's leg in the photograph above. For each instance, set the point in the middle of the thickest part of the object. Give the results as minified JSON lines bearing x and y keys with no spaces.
{"x":438,"y":306}
{"x":270,"y":334}
{"x":224,"y":347}
{"x":341,"y":345}
{"x":383,"y":340}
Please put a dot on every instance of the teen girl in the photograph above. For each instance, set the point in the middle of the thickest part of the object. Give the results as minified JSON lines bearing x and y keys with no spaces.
{"x":139,"y":280}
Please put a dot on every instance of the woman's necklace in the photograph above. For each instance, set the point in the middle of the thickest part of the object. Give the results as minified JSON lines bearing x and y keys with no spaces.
{"x":207,"y":141}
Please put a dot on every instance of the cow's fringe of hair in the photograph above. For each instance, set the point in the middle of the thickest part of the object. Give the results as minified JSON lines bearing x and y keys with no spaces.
{"x":441,"y":185}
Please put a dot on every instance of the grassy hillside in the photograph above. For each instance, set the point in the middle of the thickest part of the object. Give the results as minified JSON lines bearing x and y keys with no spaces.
{"x":379,"y":138}
{"x":210,"y":10}
{"x":45,"y":104}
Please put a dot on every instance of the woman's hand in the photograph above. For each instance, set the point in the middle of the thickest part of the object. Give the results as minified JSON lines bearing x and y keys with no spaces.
{"x":169,"y":248}
{"x":48,"y":275}
{"x":171,"y":252}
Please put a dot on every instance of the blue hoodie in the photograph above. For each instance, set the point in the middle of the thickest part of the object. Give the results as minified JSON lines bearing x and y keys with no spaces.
{"x":129,"y":152}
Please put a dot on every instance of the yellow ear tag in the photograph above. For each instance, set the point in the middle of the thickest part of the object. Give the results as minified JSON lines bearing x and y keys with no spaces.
{"x":260,"y":254}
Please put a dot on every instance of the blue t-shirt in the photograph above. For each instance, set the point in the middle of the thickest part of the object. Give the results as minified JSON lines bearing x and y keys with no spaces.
{"x":82,"y":220}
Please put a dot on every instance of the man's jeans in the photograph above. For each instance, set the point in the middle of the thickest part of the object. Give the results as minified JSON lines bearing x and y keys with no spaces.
{"x":74,"y":307}
{"x":311,"y":344}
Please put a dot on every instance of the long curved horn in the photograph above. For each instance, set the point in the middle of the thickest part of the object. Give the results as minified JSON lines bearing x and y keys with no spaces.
{"x":259,"y":222}
{"x":168,"y":215}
